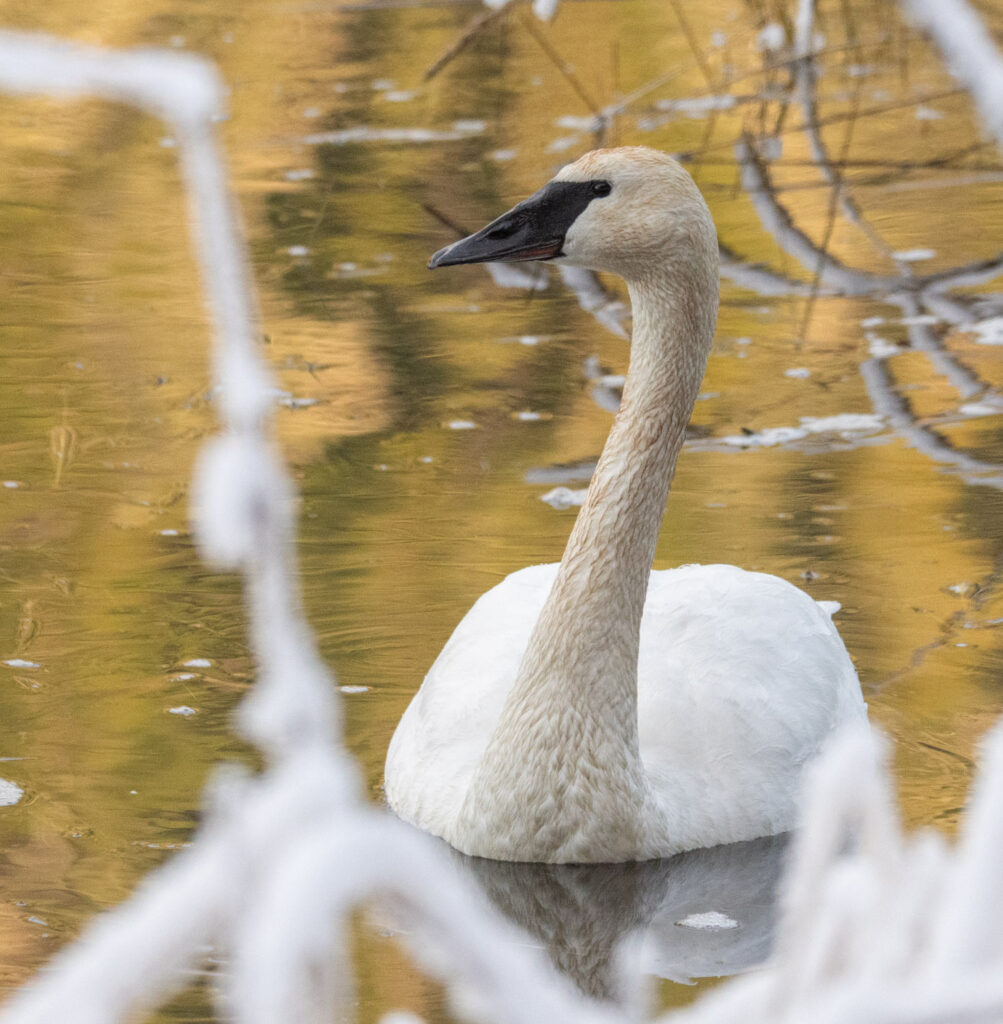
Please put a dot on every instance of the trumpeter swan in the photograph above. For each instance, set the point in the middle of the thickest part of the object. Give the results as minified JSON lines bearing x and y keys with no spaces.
{"x":597,"y":710}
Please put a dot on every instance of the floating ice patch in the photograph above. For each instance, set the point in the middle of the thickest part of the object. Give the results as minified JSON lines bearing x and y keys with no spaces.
{"x":545,"y":9}
{"x":711,"y":920}
{"x":312,"y":112}
{"x":528,"y":416}
{"x":10,"y":793}
{"x":402,"y":1016}
{"x":300,"y":174}
{"x":697,"y":106}
{"x":988,"y":332}
{"x":771,"y":37}
{"x":298,"y":250}
{"x":562,"y":144}
{"x":502,"y":156}
{"x":354,"y":689}
{"x":959,"y":588}
{"x":169,"y":533}
{"x":928,"y":114}
{"x":844,"y":423}
{"x":980,"y":409}
{"x":872,"y":321}
{"x":767,"y":438}
{"x":384,"y":84}
{"x":914,"y":255}
{"x":849,"y":422}
{"x":564,"y":497}
{"x":880,"y":348}
{"x":11,"y":484}
{"x":461,"y":425}
{"x":363,"y":133}
{"x":183,"y":677}
{"x":21,"y":663}
{"x":400,"y":95}
{"x":291,"y":402}
{"x":198,"y":663}
{"x":576,"y":124}
{"x":183,"y":710}
{"x":798,"y":372}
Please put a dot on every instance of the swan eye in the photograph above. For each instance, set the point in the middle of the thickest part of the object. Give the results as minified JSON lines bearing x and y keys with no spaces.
{"x":601,"y":188}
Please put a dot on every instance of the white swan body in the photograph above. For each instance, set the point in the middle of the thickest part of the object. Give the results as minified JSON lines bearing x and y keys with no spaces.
{"x":595,"y":710}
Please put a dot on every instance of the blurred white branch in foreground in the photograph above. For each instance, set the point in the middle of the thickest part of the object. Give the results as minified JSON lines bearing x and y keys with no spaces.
{"x":283,"y":856}
{"x":876,"y":927}
{"x":969,"y":51}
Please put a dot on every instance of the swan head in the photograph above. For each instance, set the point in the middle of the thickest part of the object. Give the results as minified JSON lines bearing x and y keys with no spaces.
{"x":628,"y":210}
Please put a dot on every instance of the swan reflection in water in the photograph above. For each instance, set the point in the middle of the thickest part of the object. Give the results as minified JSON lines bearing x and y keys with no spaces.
{"x":706,"y":913}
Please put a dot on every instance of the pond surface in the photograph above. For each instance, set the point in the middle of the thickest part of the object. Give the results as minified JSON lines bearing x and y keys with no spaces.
{"x":849,"y":436}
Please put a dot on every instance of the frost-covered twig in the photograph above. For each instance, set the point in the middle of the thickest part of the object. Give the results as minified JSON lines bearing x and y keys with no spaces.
{"x":877,"y":925}
{"x":971,"y":56}
{"x":135,"y":956}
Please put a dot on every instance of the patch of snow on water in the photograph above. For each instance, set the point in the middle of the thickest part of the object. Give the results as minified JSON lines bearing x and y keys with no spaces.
{"x":183,"y":709}
{"x":974,"y":409}
{"x":564,"y":497}
{"x":843,"y":424}
{"x":771,"y":37}
{"x":880,"y":348}
{"x":798,"y":373}
{"x":363,"y":133}
{"x":577,"y":124}
{"x":914,"y":255}
{"x":697,"y":106}
{"x":711,"y":920}
{"x":21,"y":663}
{"x":461,"y":425}
{"x":10,"y":793}
{"x":545,"y":9}
{"x":197,"y":663}
{"x":988,"y":332}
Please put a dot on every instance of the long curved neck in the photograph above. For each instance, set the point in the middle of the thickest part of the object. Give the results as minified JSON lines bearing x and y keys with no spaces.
{"x":585,"y":643}
{"x":567,"y":737}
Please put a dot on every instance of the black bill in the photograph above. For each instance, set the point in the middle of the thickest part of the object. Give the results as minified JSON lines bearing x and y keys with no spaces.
{"x":533,"y":230}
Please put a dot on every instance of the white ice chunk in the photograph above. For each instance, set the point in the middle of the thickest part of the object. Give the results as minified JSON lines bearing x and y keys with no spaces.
{"x":564,"y":497}
{"x":10,"y":793}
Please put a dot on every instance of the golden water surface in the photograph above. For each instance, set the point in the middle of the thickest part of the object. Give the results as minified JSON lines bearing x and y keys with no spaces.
{"x":426,"y":415}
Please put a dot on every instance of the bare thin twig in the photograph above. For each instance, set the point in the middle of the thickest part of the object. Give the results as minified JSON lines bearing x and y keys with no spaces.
{"x":466,"y":37}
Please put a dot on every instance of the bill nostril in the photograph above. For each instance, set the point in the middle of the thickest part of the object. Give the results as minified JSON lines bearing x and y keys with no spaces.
{"x":505,"y":230}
